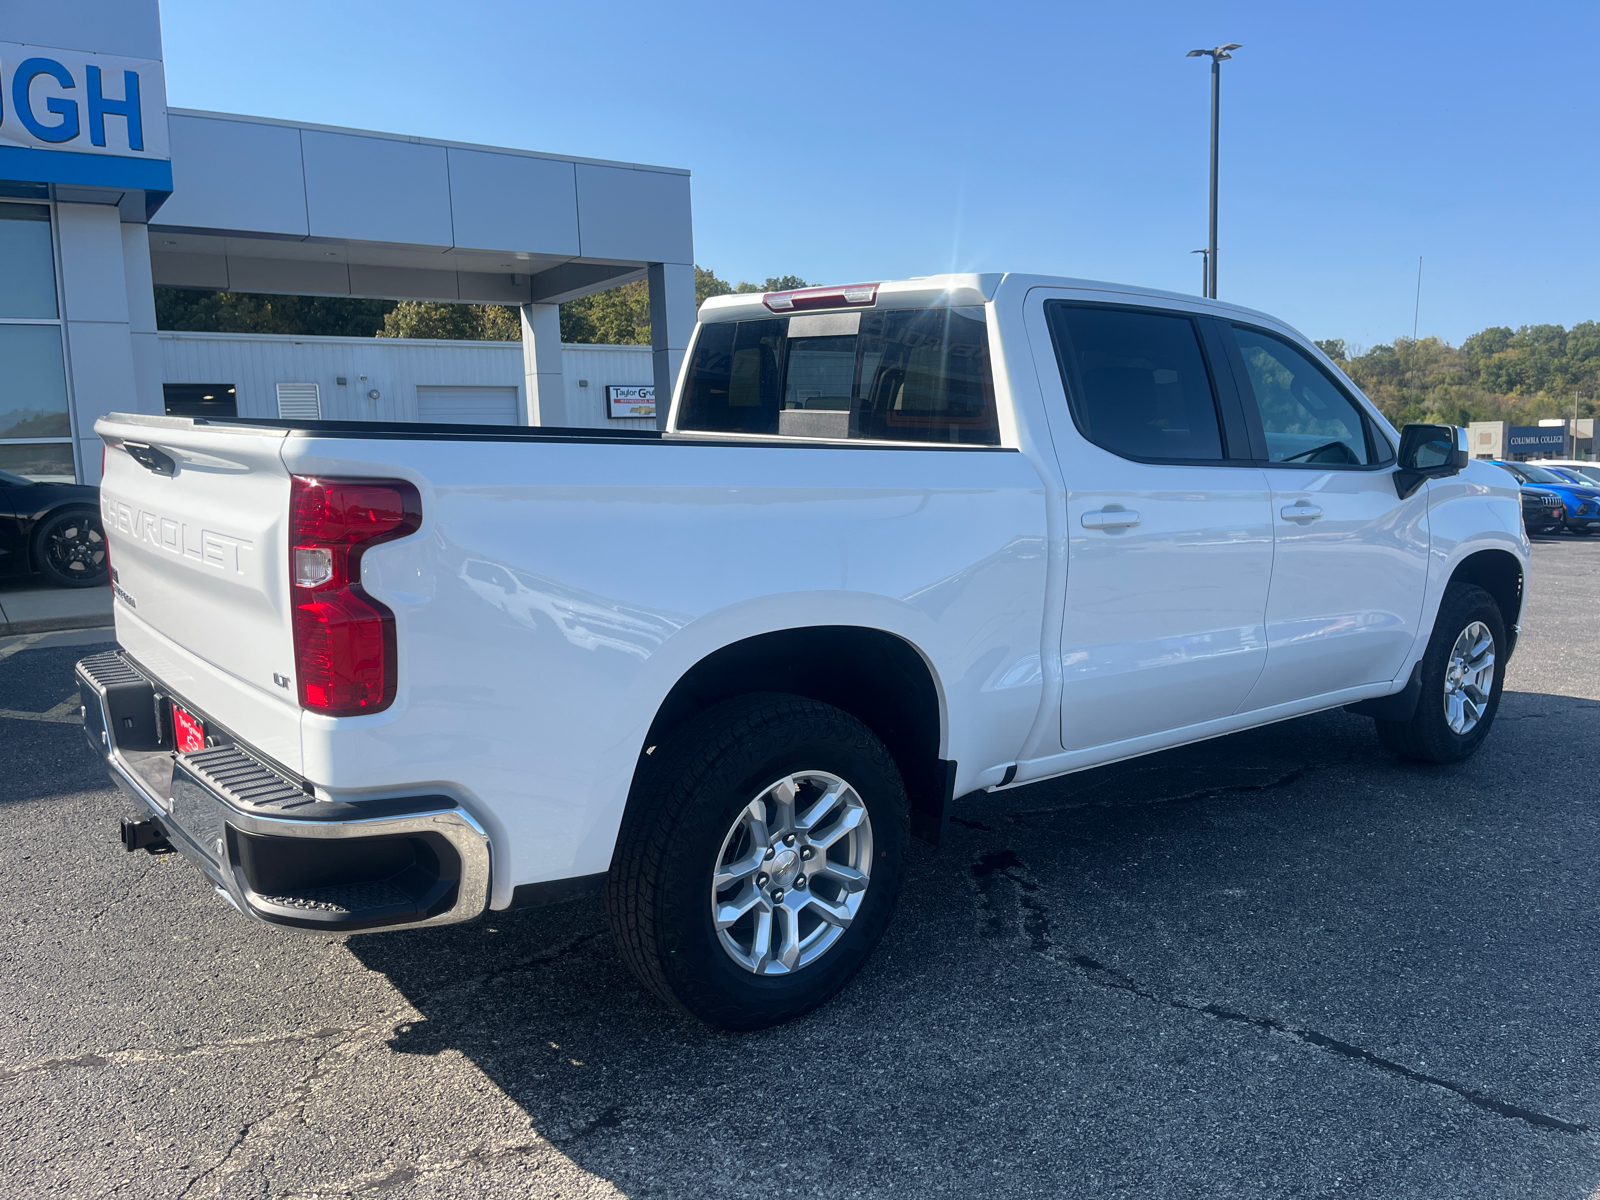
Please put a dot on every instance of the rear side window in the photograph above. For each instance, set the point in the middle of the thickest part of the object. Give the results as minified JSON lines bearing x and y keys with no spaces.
{"x":1137,"y":382}
{"x":1306,"y":418}
{"x":908,"y":375}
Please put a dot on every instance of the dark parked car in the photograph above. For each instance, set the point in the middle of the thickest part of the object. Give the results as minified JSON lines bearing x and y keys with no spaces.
{"x":1542,"y":511}
{"x":54,"y":529}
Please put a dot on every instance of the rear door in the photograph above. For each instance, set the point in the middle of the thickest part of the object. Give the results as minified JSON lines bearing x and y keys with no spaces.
{"x":1169,"y":526}
{"x":1351,"y":557}
{"x":197,"y":521}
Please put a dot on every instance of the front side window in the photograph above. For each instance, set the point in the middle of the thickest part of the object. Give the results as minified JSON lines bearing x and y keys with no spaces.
{"x":904,"y":375}
{"x":1137,"y":382}
{"x":1306,"y":418}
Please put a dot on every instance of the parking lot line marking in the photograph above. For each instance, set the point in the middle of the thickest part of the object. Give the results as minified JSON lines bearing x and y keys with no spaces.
{"x":22,"y":643}
{"x":65,"y":713}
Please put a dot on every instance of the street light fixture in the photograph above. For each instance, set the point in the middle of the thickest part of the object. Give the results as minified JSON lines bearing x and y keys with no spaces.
{"x":1205,"y":270}
{"x":1217,"y":54}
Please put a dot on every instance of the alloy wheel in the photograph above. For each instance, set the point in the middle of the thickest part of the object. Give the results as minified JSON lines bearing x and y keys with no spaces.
{"x":75,"y":547}
{"x":792,"y":872}
{"x":1469,"y":678}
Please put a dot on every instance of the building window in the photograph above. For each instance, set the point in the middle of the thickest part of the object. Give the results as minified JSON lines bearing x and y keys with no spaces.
{"x":216,"y":400}
{"x":35,"y":425}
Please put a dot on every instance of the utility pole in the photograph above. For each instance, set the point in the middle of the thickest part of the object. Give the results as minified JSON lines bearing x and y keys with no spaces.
{"x":1217,"y":54}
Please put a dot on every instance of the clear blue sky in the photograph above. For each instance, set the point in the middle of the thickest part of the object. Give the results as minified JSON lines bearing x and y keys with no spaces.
{"x":864,"y":141}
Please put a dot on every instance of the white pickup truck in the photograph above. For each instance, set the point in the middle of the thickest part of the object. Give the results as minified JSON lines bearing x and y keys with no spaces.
{"x":898,"y":543}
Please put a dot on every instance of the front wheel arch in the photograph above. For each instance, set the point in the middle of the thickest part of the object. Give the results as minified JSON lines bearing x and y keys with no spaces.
{"x":1499,"y":573}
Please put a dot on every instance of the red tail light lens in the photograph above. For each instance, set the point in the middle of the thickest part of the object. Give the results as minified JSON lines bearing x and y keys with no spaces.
{"x":852,"y":295}
{"x":344,"y":642}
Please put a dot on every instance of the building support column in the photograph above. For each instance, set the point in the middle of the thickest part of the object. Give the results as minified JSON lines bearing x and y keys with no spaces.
{"x":672,"y":317}
{"x":99,"y":345}
{"x":544,"y":384}
{"x":147,"y":365}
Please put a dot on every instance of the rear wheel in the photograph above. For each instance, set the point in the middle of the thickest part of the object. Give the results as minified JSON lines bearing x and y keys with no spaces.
{"x":69,"y":548}
{"x":759,"y":861}
{"x":1463,"y":670}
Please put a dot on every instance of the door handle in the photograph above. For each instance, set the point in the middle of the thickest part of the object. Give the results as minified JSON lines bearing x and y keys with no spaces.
{"x":1110,"y":518}
{"x":1301,"y":511}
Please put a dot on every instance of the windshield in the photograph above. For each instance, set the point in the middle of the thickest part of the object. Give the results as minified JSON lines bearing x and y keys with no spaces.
{"x":14,"y":480}
{"x":1539,"y":474}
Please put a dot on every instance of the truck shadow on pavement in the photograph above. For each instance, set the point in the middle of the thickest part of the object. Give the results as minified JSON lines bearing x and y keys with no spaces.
{"x":1183,"y":974}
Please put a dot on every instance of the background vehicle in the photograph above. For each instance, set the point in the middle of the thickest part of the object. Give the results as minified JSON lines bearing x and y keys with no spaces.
{"x":1542,"y":510}
{"x":1581,"y":504}
{"x":1587,"y":473}
{"x":52,"y":528}
{"x":1570,"y":474}
{"x":899,"y":542}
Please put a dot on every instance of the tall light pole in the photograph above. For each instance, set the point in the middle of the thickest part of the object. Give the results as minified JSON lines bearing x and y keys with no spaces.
{"x":1205,"y":270}
{"x":1217,"y":54}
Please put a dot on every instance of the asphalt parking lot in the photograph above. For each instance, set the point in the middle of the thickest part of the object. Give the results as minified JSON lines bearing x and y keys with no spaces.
{"x":1278,"y":964}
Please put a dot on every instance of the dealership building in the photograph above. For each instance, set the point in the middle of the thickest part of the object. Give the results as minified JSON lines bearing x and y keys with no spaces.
{"x":106,"y":194}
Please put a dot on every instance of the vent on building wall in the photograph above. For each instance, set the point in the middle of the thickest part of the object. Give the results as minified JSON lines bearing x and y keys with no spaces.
{"x":299,"y":402}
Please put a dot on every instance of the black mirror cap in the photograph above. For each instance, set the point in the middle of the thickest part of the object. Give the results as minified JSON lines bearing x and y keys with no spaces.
{"x":1429,"y":452}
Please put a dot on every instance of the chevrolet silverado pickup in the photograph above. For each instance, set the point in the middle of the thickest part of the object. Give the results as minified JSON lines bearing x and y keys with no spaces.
{"x":897,"y":543}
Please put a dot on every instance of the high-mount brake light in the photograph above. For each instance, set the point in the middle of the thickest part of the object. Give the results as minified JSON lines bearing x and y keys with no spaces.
{"x":344,"y":640}
{"x":853,"y":295}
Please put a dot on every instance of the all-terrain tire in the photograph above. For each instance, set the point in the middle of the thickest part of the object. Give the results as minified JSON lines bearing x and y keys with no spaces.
{"x":1427,"y":736}
{"x":691,"y":792}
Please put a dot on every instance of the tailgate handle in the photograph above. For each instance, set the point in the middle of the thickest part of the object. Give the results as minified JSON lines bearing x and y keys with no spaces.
{"x":150,"y":458}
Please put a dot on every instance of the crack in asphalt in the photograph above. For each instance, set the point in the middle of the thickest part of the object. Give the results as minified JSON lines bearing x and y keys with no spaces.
{"x":386,"y":1178}
{"x":1107,"y":977}
{"x":991,"y":867}
{"x":112,"y":1058}
{"x":295,"y":1104}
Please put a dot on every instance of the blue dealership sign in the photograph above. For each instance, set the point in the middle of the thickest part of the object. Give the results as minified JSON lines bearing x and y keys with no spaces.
{"x":69,"y":116}
{"x":1536,"y":439}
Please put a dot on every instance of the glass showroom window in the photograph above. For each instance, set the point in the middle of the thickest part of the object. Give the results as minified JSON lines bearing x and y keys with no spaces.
{"x":35,"y":428}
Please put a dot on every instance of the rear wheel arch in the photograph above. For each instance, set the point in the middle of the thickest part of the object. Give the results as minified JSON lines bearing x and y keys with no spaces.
{"x":877,"y":677}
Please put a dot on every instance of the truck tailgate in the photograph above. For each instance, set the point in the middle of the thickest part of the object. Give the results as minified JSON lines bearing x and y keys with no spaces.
{"x":197,"y":521}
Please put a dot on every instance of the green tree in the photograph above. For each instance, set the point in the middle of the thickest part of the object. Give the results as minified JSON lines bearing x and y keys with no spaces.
{"x":1333,"y":347}
{"x":453,"y":322}
{"x":246,"y":312}
{"x":774,"y":283}
{"x":619,"y":316}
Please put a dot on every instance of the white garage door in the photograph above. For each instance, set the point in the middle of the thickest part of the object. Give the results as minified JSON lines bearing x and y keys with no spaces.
{"x":468,"y":405}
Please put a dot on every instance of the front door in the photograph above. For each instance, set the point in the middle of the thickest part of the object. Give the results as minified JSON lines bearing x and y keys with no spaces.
{"x":1169,"y":525}
{"x":1351,"y":557}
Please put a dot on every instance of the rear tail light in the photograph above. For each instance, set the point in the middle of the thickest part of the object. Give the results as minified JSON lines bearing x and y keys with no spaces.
{"x":852,"y":295}
{"x":344,"y":642}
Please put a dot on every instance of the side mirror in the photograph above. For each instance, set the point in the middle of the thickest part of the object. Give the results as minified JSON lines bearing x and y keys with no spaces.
{"x":1429,"y":452}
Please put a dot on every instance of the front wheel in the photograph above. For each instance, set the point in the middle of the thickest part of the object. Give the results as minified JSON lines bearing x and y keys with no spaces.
{"x":69,"y":548}
{"x":1463,"y":671}
{"x":759,"y":860}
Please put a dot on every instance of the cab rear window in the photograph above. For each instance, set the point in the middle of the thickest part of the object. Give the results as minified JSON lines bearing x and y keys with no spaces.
{"x":909,"y":375}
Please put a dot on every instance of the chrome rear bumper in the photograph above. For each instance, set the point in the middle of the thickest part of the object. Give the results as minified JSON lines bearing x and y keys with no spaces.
{"x":274,"y":850}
